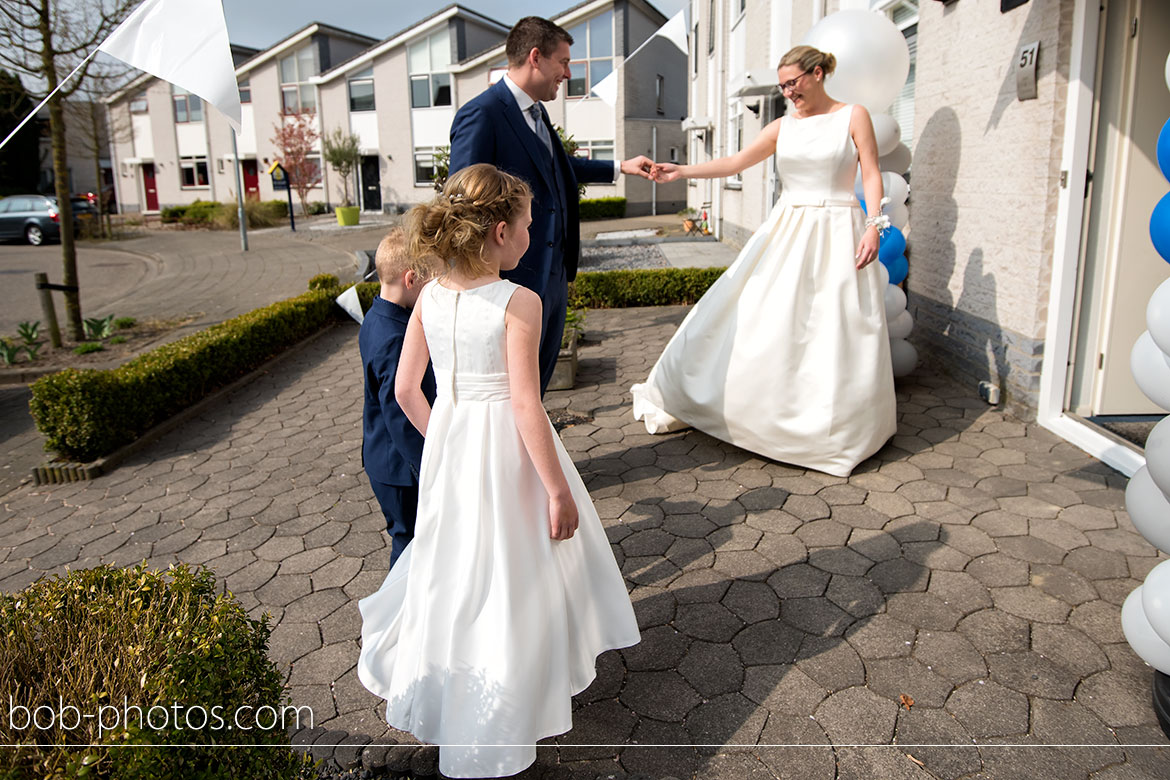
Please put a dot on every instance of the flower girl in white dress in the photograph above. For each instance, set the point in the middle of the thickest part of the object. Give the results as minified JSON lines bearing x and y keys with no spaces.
{"x":494,"y":615}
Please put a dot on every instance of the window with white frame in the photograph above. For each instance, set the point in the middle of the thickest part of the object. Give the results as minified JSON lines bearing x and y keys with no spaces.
{"x":296,"y":94}
{"x":245,"y":91}
{"x":424,"y":165}
{"x":192,"y":172}
{"x":138,"y":104}
{"x":188,"y":107}
{"x":904,"y":13}
{"x":428,"y":60}
{"x":735,"y":137}
{"x":591,"y":55}
{"x":361,"y":90}
{"x":595,"y":150}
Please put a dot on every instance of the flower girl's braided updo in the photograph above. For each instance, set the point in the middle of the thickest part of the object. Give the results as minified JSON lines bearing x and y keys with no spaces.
{"x":456,"y":223}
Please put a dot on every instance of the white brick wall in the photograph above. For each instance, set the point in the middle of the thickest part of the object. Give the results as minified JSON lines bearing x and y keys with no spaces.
{"x":985,"y":178}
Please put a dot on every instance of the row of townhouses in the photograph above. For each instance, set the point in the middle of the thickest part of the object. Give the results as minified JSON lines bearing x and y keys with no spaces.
{"x":1030,"y":257}
{"x":1030,"y":262}
{"x":398,"y":96}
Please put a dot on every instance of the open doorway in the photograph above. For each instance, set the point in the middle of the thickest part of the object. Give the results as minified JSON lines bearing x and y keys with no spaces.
{"x":1118,"y":267}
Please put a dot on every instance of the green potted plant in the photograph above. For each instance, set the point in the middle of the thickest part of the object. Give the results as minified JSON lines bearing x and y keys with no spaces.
{"x":343,"y":153}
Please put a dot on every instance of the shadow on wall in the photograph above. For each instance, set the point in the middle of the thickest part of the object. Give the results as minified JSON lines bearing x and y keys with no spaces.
{"x":948,"y":333}
{"x":1046,"y":62}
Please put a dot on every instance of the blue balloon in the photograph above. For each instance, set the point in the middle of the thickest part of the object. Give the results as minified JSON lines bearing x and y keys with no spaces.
{"x":1160,"y":227}
{"x":893,"y":244}
{"x":862,"y":200}
{"x":1164,"y":150}
{"x":898,"y":268}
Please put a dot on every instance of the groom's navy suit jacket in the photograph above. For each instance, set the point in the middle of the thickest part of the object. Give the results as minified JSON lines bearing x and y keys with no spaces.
{"x":491,"y":129}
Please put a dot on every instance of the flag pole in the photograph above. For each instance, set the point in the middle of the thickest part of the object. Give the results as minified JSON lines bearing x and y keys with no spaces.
{"x":239,"y":194}
{"x":41,"y":105}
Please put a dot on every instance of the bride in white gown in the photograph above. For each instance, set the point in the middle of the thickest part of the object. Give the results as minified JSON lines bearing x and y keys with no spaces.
{"x":787,"y":354}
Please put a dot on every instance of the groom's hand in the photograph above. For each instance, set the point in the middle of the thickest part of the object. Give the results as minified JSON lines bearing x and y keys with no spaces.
{"x":638,"y":166}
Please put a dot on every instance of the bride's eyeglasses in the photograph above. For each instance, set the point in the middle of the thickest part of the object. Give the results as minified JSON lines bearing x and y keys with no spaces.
{"x":791,"y":83}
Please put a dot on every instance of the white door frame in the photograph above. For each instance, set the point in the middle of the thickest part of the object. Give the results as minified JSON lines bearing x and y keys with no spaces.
{"x":1070,"y":214}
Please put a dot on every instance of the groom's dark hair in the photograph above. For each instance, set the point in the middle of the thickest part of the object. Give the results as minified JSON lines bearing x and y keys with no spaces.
{"x":533,"y":32}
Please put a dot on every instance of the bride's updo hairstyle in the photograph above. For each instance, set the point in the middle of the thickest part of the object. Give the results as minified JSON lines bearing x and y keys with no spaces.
{"x":808,"y":57}
{"x":456,"y":223}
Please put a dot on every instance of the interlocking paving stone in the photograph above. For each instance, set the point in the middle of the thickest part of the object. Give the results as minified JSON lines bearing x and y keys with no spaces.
{"x":974,"y":551}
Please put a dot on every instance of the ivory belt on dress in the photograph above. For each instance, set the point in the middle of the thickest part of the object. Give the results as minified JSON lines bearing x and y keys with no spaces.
{"x":474,"y":387}
{"x":798,"y":202}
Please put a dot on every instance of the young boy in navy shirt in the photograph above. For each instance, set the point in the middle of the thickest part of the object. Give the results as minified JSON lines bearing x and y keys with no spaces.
{"x":391,"y":446}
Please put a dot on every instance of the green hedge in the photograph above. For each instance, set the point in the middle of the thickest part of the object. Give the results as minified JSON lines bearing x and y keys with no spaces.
{"x":278,"y":208}
{"x":87,"y":413}
{"x":642,"y":287}
{"x":603,"y":208}
{"x":130,"y":638}
{"x":618,"y":289}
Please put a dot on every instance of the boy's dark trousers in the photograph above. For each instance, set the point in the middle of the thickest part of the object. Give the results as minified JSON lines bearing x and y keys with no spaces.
{"x":400,"y":506}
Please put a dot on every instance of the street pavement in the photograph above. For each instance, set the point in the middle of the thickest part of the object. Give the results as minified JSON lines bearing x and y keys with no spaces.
{"x":952,"y":610}
{"x":159,"y":274}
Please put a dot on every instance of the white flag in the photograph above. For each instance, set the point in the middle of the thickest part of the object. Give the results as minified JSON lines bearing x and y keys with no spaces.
{"x":606,"y":89}
{"x":675,"y":31}
{"x":184,"y":42}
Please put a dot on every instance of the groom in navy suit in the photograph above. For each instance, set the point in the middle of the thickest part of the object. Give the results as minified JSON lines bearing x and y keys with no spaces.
{"x":506,"y":126}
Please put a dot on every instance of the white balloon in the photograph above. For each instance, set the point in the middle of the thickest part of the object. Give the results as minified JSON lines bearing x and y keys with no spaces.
{"x":1149,"y":509}
{"x":1151,"y":370}
{"x":895,"y":301}
{"x":1141,"y":635}
{"x":899,"y":216}
{"x":901,"y":325}
{"x":1167,"y":73}
{"x":1158,"y":455}
{"x":1158,"y":316}
{"x":897,"y":161}
{"x":887,"y":133}
{"x":903,"y":356}
{"x":872,"y":57}
{"x":885,"y":274}
{"x":895,"y":188}
{"x":1156,"y":599}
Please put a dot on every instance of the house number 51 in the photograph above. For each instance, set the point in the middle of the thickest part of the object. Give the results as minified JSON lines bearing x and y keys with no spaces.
{"x":1026,"y":71}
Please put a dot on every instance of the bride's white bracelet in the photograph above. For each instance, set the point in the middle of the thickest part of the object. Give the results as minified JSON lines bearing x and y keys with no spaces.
{"x":879,"y":220}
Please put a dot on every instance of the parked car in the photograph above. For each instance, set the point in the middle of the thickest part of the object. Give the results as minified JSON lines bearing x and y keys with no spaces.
{"x":35,"y":218}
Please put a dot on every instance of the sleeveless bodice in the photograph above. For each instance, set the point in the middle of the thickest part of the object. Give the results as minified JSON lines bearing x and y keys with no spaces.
{"x":816,"y":158}
{"x":466,"y":337}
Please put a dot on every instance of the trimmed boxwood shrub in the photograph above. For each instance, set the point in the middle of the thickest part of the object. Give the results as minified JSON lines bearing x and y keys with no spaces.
{"x":172,"y":214}
{"x":641,"y":287}
{"x":603,"y":208}
{"x":278,"y":208}
{"x":118,"y":639}
{"x":87,"y":413}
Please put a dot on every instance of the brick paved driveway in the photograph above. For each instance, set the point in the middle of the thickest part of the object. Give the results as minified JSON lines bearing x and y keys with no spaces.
{"x":976,"y":565}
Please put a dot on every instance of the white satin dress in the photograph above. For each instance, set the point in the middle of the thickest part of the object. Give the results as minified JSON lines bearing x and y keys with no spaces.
{"x":787,"y":355}
{"x":485,"y":627}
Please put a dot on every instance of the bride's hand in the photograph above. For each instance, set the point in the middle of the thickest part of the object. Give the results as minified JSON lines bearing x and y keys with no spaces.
{"x":867,"y":248}
{"x":664,"y":173}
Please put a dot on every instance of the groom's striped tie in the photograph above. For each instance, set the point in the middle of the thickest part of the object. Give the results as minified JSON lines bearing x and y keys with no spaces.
{"x":541,"y":128}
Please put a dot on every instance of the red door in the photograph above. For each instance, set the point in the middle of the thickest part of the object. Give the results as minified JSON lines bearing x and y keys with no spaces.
{"x":149,"y":187}
{"x":251,"y":180}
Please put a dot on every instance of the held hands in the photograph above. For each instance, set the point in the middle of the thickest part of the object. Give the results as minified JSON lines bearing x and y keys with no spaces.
{"x":664,"y":173}
{"x":648,"y":169}
{"x":638,"y":166}
{"x":562,"y":517}
{"x":867,"y":248}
